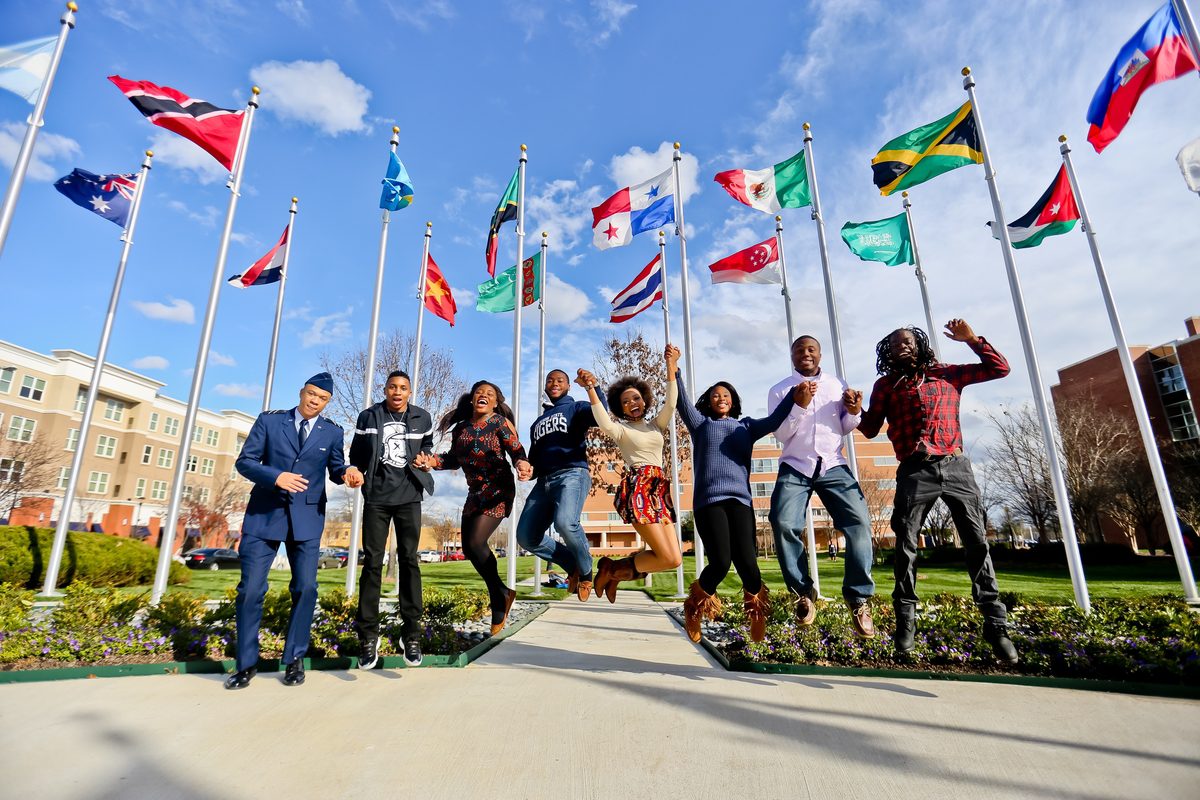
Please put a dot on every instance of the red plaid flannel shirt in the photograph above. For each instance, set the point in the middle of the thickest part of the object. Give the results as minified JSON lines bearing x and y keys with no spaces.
{"x":925,"y":408}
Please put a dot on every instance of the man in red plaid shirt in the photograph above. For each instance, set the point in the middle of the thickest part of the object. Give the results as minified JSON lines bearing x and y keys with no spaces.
{"x":919,"y":399}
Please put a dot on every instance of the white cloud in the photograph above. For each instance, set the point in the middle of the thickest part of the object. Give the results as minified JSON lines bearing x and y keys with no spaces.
{"x":313,"y":93}
{"x":245,"y":239}
{"x":636,"y":165}
{"x":173,"y":310}
{"x":327,"y":329}
{"x":421,"y":13}
{"x":221,"y":360}
{"x":179,"y":153}
{"x":564,"y":303}
{"x":299,"y":312}
{"x":238,"y":390}
{"x":602,"y":22}
{"x":562,"y":209}
{"x":48,"y":147}
{"x":206,"y":216}
{"x":150,"y":362}
{"x":294,"y":9}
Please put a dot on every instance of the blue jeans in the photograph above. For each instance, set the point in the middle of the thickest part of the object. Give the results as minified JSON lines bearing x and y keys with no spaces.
{"x":844,"y":501}
{"x":558,"y":498}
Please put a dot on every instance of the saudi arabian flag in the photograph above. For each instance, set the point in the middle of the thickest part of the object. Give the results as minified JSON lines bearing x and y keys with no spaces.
{"x":1054,"y":213}
{"x":496,"y":295}
{"x":784,"y":185}
{"x":928,"y":151}
{"x":883,"y":240}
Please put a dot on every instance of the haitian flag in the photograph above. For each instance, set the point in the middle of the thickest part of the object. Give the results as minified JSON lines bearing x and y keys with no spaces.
{"x":268,"y":269}
{"x":110,"y":196}
{"x":215,"y":130}
{"x":634,"y":210}
{"x":1157,"y":52}
{"x":438,"y":297}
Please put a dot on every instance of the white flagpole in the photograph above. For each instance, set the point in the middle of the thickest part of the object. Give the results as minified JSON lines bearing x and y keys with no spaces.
{"x":416,"y":368}
{"x":166,"y":537}
{"x":1188,"y":23}
{"x":89,"y":406}
{"x":369,"y":381}
{"x":1061,"y":497}
{"x":787,"y":296}
{"x":681,"y":233}
{"x":1153,"y":457}
{"x":537,"y":562}
{"x":834,"y":327}
{"x":283,"y":275}
{"x":35,"y":121}
{"x":920,"y":273}
{"x":680,"y":591}
{"x":518,"y":302}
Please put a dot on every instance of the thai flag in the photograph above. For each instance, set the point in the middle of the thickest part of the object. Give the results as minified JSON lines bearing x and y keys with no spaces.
{"x":268,"y":269}
{"x":1156,"y":53}
{"x":636,"y":209}
{"x":639,"y":295}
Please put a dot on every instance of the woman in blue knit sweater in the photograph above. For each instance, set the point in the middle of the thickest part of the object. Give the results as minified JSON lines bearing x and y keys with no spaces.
{"x":721,"y":451}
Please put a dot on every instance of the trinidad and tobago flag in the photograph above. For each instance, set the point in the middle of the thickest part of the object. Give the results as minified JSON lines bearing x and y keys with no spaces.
{"x":214,"y":129}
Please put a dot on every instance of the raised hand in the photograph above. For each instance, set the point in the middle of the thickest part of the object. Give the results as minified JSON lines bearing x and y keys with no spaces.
{"x":804,"y":392}
{"x":672,"y":356}
{"x":959,"y":331}
{"x":852,"y":400}
{"x":585,"y":379}
{"x":353,"y":477}
{"x":291,"y":482}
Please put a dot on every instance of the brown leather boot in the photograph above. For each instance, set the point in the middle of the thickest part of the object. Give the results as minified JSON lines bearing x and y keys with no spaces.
{"x":623,"y":570}
{"x":509,"y":597}
{"x":603,"y":575}
{"x":758,"y":608}
{"x":693,"y":610}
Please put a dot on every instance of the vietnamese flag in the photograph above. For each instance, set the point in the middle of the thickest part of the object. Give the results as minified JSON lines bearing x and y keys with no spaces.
{"x":438,"y":298}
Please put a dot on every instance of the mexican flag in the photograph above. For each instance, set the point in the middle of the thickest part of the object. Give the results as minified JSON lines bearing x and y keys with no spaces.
{"x":784,"y":185}
{"x":756,"y":264}
{"x":1054,"y":213}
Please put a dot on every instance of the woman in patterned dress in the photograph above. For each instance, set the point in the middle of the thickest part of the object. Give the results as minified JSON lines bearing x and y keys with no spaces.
{"x":481,"y":432}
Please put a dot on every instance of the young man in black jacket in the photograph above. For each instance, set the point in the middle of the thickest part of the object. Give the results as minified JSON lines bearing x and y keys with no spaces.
{"x":387,"y":437}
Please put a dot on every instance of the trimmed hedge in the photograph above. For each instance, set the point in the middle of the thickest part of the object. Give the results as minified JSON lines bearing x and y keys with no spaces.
{"x":96,"y":558}
{"x":1048,"y":554}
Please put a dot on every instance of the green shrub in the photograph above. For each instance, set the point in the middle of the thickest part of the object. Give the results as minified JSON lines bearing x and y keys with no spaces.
{"x":15,"y":604}
{"x":95,"y":558}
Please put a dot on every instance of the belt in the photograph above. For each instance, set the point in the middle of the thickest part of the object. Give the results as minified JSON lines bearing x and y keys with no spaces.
{"x":926,"y":458}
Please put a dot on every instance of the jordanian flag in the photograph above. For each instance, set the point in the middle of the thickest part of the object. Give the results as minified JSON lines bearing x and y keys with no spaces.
{"x":506,"y":210}
{"x":1054,"y":213}
{"x":784,"y":185}
{"x":927,"y":152}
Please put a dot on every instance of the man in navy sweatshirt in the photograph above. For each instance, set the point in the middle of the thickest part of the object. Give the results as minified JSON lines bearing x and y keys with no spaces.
{"x":558,"y":454}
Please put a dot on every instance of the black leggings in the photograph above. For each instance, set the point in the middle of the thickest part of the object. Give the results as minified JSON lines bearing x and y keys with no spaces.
{"x":476,"y":530}
{"x":727,"y":530}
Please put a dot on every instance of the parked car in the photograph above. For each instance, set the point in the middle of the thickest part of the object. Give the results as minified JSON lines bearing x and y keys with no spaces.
{"x":429,"y":556}
{"x":212,"y":558}
{"x":501,"y":552}
{"x":331,"y":558}
{"x":453,"y":555}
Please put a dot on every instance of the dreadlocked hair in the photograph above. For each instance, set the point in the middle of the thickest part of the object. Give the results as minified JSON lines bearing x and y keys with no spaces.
{"x":886,"y":365}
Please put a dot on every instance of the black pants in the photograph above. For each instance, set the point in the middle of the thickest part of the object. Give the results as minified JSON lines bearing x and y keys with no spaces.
{"x":376,"y":520}
{"x":727,"y":530}
{"x":919,"y":484}
{"x":476,"y":530}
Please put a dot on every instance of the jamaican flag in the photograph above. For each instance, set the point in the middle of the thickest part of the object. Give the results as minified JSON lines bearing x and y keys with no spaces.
{"x":506,"y":210}
{"x":927,"y":152}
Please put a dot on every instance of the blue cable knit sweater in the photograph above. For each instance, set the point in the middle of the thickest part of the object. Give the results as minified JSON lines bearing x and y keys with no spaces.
{"x":722,"y":448}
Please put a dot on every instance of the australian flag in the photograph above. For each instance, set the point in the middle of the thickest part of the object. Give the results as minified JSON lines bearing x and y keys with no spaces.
{"x":110,"y":196}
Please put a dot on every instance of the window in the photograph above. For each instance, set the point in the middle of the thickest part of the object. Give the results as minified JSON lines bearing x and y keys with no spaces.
{"x":97,"y":483}
{"x":139,"y":489}
{"x":187,"y":492}
{"x":32,"y":388}
{"x":772,"y":442}
{"x":614,"y":516}
{"x":204,"y":493}
{"x":213,"y":437}
{"x":153,"y":421}
{"x":166,"y":457}
{"x":106,"y":445}
{"x":887,"y":483}
{"x":193,"y":462}
{"x":197,"y":434}
{"x":21,"y":429}
{"x":81,"y":399}
{"x":11,"y":470}
{"x":64,"y":475}
{"x":241,"y":442}
{"x":171,"y":426}
{"x":158,"y":490}
{"x":72,"y":439}
{"x":114,"y":410}
{"x":764,"y":465}
{"x":1170,"y":379}
{"x":1180,"y":419}
{"x":885,"y":461}
{"x":761,"y":489}
{"x":6,"y":376}
{"x":208,"y":466}
{"x":147,"y":454}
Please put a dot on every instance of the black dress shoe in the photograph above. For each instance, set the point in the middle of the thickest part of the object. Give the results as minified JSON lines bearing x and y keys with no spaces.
{"x":294,"y":675}
{"x":241,"y":678}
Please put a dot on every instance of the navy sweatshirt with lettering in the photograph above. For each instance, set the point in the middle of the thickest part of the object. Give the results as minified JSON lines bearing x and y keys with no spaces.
{"x":558,"y":438}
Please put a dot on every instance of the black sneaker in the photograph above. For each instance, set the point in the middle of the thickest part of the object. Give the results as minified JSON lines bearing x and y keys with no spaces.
{"x":368,"y":654}
{"x":412,"y":653}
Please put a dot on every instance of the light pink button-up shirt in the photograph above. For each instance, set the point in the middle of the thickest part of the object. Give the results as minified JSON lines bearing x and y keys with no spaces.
{"x":814,"y":432}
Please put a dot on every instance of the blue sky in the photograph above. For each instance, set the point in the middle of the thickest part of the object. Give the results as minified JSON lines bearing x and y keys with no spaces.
{"x":597,"y":89}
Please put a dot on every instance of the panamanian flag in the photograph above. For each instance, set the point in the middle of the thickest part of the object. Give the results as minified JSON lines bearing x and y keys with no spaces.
{"x":633,"y":210}
{"x":110,"y":196}
{"x":639,"y":295}
{"x":268,"y":269}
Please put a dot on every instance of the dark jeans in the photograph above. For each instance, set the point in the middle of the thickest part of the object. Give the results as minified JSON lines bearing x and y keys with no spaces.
{"x":376,"y":519}
{"x":558,"y":498}
{"x":919,"y":484}
{"x":727,"y":529}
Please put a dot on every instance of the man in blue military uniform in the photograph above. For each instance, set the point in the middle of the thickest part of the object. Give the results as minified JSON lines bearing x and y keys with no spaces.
{"x":286,"y":455}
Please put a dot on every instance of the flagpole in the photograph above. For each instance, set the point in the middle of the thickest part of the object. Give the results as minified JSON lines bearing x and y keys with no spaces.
{"x":834,"y":327}
{"x":920,"y":273}
{"x":369,"y":380}
{"x":518,"y":302}
{"x":787,"y":296}
{"x":1061,"y":496}
{"x":1135,"y":393}
{"x":283,"y":273}
{"x":681,"y":233}
{"x":89,"y":406}
{"x":1189,"y":26}
{"x":416,"y":369}
{"x":537,"y":562}
{"x":35,"y":121}
{"x":680,"y":591}
{"x":166,"y":538}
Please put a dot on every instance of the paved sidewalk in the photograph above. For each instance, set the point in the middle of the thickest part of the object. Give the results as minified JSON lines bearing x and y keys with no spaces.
{"x":589,"y":701}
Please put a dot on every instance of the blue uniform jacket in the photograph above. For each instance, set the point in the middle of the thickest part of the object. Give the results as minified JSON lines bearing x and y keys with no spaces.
{"x":273,"y":447}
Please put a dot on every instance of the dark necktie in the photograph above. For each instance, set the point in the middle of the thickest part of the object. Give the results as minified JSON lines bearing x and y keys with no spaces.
{"x":303,"y":432}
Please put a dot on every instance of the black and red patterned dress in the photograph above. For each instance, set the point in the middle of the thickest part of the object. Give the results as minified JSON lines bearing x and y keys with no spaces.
{"x":478,"y":448}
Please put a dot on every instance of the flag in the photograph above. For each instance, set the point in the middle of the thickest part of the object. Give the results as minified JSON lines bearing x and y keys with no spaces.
{"x":1188,"y":160}
{"x":1054,"y":213}
{"x":23,"y":67}
{"x":639,"y":295}
{"x":928,"y":151}
{"x":633,"y":210}
{"x":438,"y":297}
{"x":1157,"y":52}
{"x":214,"y":129}
{"x":110,"y":196}
{"x":506,"y":210}
{"x":784,"y":185}
{"x":496,"y":295}
{"x":884,"y":240}
{"x":268,"y":269}
{"x":756,"y":264}
{"x":397,"y":186}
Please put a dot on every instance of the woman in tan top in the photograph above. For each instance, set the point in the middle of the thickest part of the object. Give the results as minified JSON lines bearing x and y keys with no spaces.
{"x":643,"y":499}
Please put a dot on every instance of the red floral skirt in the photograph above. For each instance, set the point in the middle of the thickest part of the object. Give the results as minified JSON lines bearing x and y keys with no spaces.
{"x":644,"y":497}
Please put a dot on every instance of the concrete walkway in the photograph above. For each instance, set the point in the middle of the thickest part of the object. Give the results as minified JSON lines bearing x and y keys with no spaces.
{"x":589,"y":701}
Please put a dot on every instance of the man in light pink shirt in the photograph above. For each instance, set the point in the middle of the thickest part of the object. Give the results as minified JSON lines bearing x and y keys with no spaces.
{"x":812,"y":461}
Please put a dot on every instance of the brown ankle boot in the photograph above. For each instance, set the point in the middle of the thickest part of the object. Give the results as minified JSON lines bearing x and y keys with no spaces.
{"x":758,"y":608}
{"x":623,"y":570}
{"x":693,"y":611}
{"x":603,"y":575}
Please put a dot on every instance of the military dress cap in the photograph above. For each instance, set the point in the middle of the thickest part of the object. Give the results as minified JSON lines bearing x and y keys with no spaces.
{"x":322,"y":380}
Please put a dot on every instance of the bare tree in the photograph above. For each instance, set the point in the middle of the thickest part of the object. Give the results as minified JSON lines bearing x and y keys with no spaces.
{"x":210,"y":515}
{"x":1018,"y":466}
{"x":1097,"y":446}
{"x":1135,"y":504}
{"x":1183,"y":470}
{"x":445,"y":532}
{"x":25,"y":467}
{"x":939,"y":525}
{"x":880,"y":500}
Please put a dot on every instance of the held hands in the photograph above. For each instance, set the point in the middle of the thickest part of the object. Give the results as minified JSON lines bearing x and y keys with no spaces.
{"x":959,"y":331}
{"x":672,"y":356}
{"x":353,"y":477}
{"x":424,"y":461}
{"x":852,"y":400}
{"x":291,"y":482}
{"x":585,"y":379}
{"x":804,"y":392}
{"x":524,"y":470}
